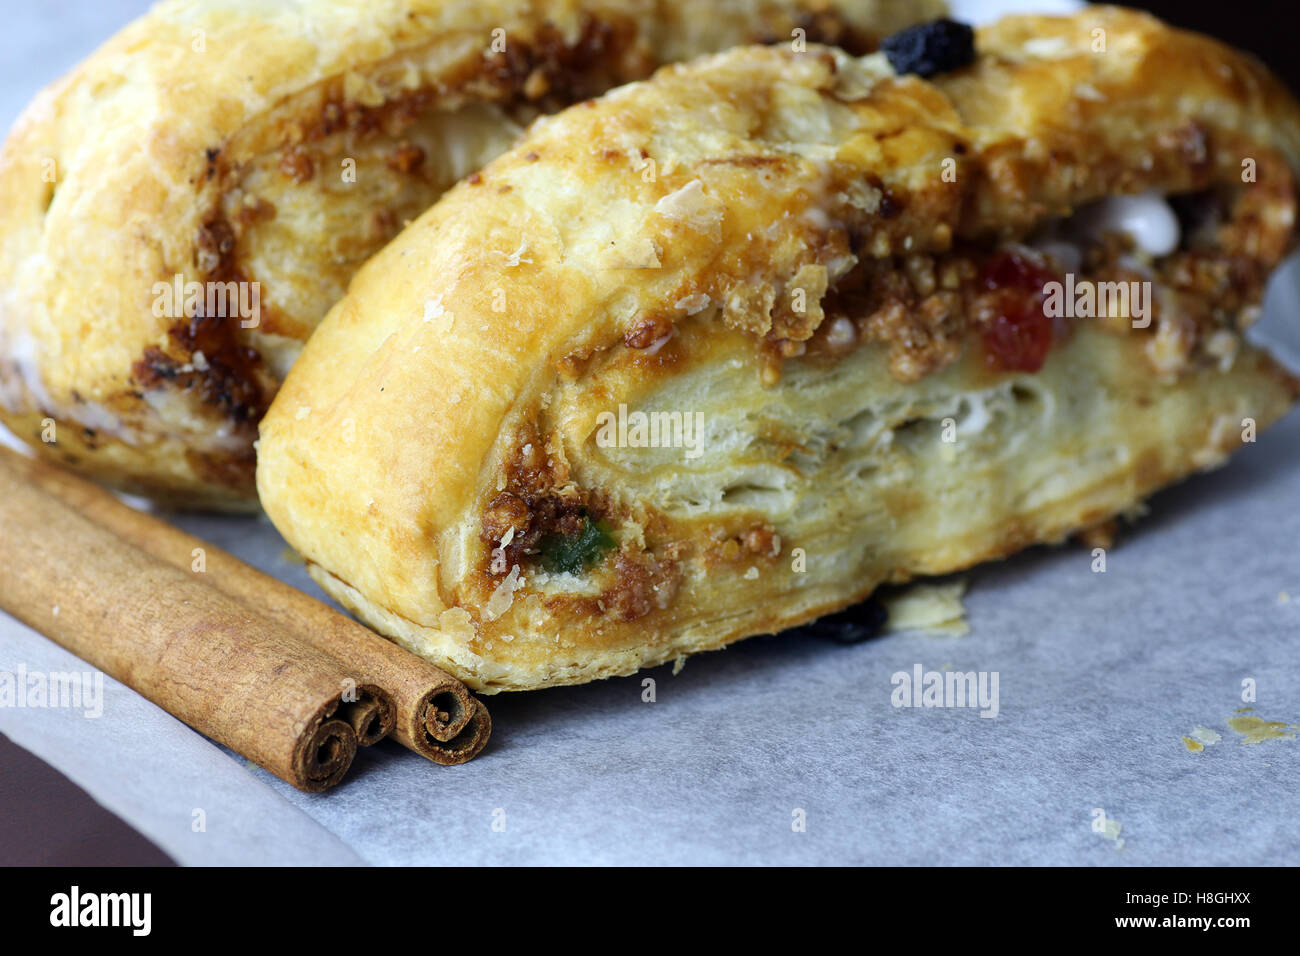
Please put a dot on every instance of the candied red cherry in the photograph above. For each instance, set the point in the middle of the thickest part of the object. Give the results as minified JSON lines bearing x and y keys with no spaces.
{"x":1020,"y":335}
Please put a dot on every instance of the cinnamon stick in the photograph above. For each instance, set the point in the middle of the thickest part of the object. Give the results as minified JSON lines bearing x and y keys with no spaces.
{"x":201,"y":655}
{"x":435,"y":714}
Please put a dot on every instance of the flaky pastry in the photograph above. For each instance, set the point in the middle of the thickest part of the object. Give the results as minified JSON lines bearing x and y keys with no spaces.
{"x":725,"y":350}
{"x":179,"y":212}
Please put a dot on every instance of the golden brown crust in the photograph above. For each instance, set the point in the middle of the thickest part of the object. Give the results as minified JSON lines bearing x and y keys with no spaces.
{"x":680,"y":246}
{"x":278,"y":144}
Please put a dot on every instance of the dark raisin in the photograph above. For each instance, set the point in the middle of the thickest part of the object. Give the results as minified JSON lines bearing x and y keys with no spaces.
{"x":889,"y":206}
{"x":1195,"y":211}
{"x":929,"y":49}
{"x":857,"y":624}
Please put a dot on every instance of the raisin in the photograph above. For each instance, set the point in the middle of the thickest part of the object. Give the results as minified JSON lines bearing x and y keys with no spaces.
{"x":929,"y":49}
{"x":857,"y":624}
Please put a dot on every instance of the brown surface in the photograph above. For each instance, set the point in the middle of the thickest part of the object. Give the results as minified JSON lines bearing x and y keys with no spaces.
{"x":47,"y":820}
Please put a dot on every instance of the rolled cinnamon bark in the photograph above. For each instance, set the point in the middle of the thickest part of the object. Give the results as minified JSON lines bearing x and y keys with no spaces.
{"x":201,"y":655}
{"x":467,"y":744}
{"x":435,"y":714}
{"x":371,"y":715}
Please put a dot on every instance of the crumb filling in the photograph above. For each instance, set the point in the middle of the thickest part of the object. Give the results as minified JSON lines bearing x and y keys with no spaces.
{"x":221,"y":370}
{"x":1204,"y":258}
{"x":1188,"y":270}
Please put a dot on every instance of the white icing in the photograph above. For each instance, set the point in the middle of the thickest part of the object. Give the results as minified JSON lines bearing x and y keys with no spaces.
{"x":978,"y":418}
{"x":660,"y":342}
{"x":21,"y":351}
{"x":1047,"y":47}
{"x":841,"y":334}
{"x":1146,"y":218}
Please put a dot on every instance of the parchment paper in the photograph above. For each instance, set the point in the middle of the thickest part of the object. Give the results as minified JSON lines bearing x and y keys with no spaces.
{"x":1101,"y":675}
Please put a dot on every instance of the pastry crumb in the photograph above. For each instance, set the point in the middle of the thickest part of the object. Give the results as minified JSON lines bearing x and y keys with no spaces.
{"x":937,"y":608}
{"x":1205,"y":735}
{"x":1100,"y":535}
{"x":1256,"y":730}
{"x":1112,"y":832}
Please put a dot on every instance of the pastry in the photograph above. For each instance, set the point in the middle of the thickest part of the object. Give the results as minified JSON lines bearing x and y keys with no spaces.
{"x":178,"y":213}
{"x":727,"y":349}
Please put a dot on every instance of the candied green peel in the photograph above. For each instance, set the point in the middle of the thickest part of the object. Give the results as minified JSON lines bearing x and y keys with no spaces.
{"x":574,"y":553}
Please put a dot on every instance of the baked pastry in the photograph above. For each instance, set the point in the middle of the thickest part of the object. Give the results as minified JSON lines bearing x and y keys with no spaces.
{"x":179,"y":212}
{"x":727,"y":349}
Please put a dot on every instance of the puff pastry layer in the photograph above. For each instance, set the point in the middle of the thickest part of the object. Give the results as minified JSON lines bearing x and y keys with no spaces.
{"x":828,"y":275}
{"x":230,"y":143}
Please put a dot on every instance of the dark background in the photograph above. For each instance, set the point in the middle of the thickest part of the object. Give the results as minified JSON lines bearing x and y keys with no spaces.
{"x":46,"y":819}
{"x":1270,"y":30}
